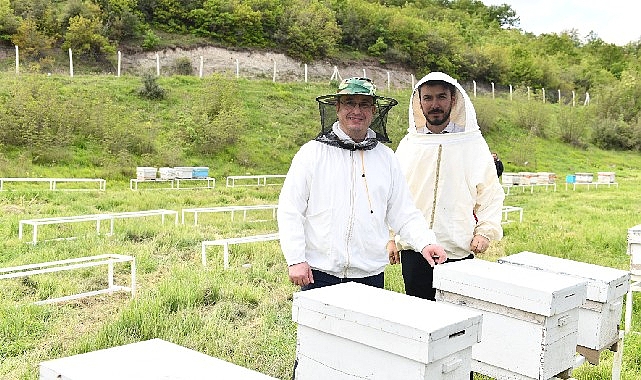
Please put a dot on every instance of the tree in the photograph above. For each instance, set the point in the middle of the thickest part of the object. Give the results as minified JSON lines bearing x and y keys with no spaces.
{"x":83,"y":38}
{"x":31,"y":42}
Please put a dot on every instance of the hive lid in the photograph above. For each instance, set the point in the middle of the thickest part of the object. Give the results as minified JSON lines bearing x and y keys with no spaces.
{"x":415,"y":328}
{"x":520,"y":288}
{"x":604,"y":283}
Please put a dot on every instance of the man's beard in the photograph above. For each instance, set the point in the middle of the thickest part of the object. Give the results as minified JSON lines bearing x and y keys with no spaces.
{"x":434,"y":119}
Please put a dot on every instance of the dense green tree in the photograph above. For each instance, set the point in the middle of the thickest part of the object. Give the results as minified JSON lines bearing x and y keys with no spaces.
{"x":84,"y":38}
{"x":31,"y":41}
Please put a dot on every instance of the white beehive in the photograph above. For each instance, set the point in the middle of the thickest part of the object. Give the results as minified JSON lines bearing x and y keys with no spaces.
{"x":545,"y":178}
{"x":510,"y":179}
{"x":354,"y":331}
{"x":634,"y":249}
{"x":145,"y":173}
{"x":167,"y":173}
{"x":530,"y":317}
{"x":606,"y":177}
{"x":527,"y":178}
{"x":600,"y":315}
{"x":148,"y":360}
{"x":184,"y":172}
{"x":584,"y":177}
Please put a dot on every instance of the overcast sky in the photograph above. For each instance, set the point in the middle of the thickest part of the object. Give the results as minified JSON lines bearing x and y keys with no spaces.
{"x":614,"y":21}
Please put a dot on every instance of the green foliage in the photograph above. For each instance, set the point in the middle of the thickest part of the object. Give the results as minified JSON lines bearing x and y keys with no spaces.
{"x":182,"y":66}
{"x":32,"y":43}
{"x":150,"y":88}
{"x":151,"y":40}
{"x":84,"y":38}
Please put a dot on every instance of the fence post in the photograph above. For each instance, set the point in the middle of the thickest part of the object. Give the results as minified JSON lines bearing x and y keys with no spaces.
{"x":201,"y":66}
{"x":510,"y":92}
{"x":364,"y":75}
{"x":573,"y":98}
{"x":543,"y":94}
{"x":119,"y":62}
{"x":559,"y":92}
{"x":528,"y":93}
{"x":70,"y":63}
{"x":412,"y":76}
{"x":274,"y":75}
{"x":474,"y":85}
{"x":157,"y":65}
{"x":587,"y":99}
{"x":305,"y":73}
{"x":492,"y":90}
{"x":17,"y":61}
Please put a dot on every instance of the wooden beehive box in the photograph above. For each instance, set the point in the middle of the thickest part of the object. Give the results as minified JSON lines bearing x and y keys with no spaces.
{"x":530,"y":317}
{"x":200,"y":172}
{"x":584,"y":177}
{"x":606,"y":177}
{"x":527,"y":178}
{"x":145,"y":173}
{"x":510,"y":179}
{"x":600,"y":315}
{"x":634,"y":249}
{"x":184,"y":172}
{"x":153,"y":359}
{"x":167,"y":173}
{"x":354,"y":331}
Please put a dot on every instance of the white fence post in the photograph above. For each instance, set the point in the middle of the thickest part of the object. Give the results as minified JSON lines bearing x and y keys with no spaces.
{"x":17,"y":61}
{"x":573,"y":98}
{"x":474,"y":86}
{"x":413,"y":80}
{"x":119,"y":62}
{"x":157,"y":65}
{"x":587,"y":99}
{"x":364,"y":75}
{"x":305,"y":73}
{"x":528,"y":93}
{"x":70,"y":63}
{"x":559,"y":91}
{"x":274,"y":75}
{"x":543,"y":89}
{"x":510,"y":92}
{"x":492,"y":90}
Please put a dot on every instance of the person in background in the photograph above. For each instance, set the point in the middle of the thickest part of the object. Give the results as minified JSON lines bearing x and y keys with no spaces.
{"x":449,"y":169}
{"x":342,"y":192}
{"x":498,"y":164}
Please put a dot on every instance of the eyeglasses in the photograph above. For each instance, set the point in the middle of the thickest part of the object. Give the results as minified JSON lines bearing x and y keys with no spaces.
{"x":351,"y":105}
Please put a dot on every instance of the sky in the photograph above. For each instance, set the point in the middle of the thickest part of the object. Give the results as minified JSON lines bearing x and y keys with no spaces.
{"x":614,"y":21}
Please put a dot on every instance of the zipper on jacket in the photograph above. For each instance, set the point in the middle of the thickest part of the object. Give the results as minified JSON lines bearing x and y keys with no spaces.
{"x":438,"y":171}
{"x":350,"y":221}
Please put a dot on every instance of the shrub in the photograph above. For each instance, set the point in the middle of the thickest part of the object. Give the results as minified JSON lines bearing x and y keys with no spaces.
{"x":150,"y":88}
{"x":182,"y":66}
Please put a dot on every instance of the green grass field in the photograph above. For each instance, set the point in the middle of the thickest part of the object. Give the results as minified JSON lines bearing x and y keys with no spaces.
{"x":243,"y":314}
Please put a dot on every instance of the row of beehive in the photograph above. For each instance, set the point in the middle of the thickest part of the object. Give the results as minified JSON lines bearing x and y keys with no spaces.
{"x":528,"y":178}
{"x":602,"y":177}
{"x":534,"y":311}
{"x":146,"y":173}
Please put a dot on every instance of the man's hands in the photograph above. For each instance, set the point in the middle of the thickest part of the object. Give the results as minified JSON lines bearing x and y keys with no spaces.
{"x":479,"y":244}
{"x":392,"y":252}
{"x":434,"y":254}
{"x":301,"y":274}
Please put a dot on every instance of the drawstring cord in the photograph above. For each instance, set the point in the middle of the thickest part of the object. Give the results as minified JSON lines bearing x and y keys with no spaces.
{"x":369,"y":200}
{"x":438,"y":170}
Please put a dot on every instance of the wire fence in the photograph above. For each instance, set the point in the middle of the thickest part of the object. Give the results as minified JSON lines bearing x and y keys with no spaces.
{"x":280,"y":68}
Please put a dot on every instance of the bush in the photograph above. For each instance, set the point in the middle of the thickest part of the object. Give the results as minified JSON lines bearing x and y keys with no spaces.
{"x":182,"y":66}
{"x":151,"y":89}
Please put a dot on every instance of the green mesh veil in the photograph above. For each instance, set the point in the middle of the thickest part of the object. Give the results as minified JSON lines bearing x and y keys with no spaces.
{"x":356,"y":86}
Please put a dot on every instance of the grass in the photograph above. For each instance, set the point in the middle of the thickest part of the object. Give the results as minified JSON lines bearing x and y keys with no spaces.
{"x":243,"y":314}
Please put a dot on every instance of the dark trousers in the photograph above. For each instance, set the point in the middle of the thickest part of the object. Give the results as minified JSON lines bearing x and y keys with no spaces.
{"x":323,"y":279}
{"x":418,"y":275}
